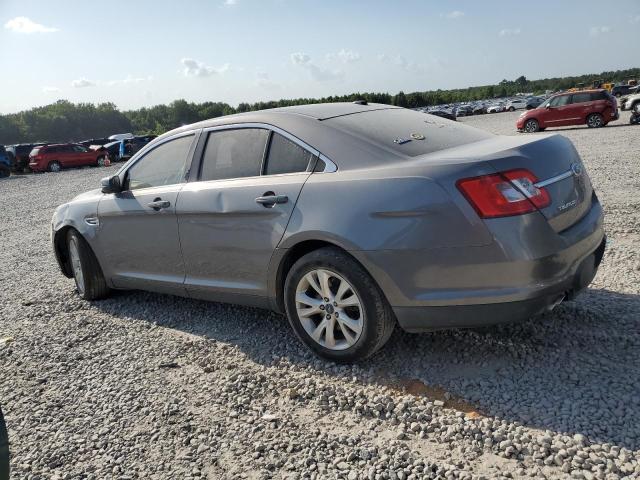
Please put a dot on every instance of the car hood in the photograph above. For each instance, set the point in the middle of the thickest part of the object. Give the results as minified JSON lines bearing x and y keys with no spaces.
{"x":88,"y":196}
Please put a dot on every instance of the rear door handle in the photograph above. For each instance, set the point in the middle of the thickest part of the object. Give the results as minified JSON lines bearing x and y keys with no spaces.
{"x":270,"y":199}
{"x":158,"y":204}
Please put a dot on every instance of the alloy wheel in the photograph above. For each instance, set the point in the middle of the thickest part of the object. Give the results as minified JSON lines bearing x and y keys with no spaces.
{"x":595,"y":121}
{"x":329,"y":309}
{"x":76,"y":265}
{"x":531,"y":126}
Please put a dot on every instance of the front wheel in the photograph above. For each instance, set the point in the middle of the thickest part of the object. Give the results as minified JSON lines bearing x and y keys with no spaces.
{"x":90,"y":281}
{"x":531,"y":126}
{"x":335,"y":307}
{"x":595,"y":120}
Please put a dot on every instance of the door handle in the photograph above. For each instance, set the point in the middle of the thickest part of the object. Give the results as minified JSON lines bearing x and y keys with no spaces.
{"x":270,"y":199}
{"x":158,"y":204}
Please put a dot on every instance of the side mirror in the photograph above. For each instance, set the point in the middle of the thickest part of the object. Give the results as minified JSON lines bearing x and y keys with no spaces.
{"x":111,"y":184}
{"x":548,"y":107}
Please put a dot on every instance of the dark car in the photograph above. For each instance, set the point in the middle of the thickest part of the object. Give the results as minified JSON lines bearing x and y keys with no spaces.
{"x":5,"y":163}
{"x":19,"y":155}
{"x":133,"y":145}
{"x":479,"y":109}
{"x":534,"y":102}
{"x":350,"y":218}
{"x":113,"y":150}
{"x":55,"y":157}
{"x":443,"y":114}
{"x":620,"y":90}
{"x":596,"y":108}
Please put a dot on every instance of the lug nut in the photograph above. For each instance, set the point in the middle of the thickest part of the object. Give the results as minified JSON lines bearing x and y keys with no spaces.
{"x":321,"y":307}
{"x":326,"y":299}
{"x":337,"y":314}
{"x":328,"y":317}
{"x":335,"y":304}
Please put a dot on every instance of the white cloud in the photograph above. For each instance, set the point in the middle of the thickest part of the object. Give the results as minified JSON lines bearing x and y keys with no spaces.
{"x":82,"y":83}
{"x":595,"y":31}
{"x":345,"y":56}
{"x":509,"y":32}
{"x":317,"y":73}
{"x":300,"y":58}
{"x":50,"y":89}
{"x":26,"y":25}
{"x":194,"y":68}
{"x":453,"y":15}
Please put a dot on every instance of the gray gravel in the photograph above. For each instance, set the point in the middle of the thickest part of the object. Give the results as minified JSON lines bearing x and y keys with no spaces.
{"x":151,"y":386}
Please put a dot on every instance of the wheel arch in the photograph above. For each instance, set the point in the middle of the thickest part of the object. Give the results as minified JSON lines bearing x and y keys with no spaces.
{"x":61,"y":249}
{"x":284,"y":258}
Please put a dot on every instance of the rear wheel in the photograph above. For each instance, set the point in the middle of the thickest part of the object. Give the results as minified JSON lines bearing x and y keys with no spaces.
{"x":102,"y":161}
{"x":531,"y":126}
{"x":54,"y":166}
{"x":87,"y":273}
{"x":512,"y":109}
{"x":595,"y":120}
{"x":335,"y":307}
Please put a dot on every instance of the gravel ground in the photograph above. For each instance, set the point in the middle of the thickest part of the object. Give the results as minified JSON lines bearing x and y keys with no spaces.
{"x":151,"y":386}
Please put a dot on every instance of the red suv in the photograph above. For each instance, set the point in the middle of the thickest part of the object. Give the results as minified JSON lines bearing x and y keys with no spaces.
{"x":57,"y":156}
{"x":595,"y":108}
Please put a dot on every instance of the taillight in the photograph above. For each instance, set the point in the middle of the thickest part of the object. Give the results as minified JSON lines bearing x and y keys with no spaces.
{"x":504,"y":194}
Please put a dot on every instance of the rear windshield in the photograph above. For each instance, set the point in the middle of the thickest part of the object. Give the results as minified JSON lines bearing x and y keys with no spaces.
{"x":35,"y":151}
{"x":407,"y":132}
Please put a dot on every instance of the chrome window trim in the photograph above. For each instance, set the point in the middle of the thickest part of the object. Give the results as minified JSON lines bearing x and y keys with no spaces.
{"x":330,"y":167}
{"x":552,"y":180}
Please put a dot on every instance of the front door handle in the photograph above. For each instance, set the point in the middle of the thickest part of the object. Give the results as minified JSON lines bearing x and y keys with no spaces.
{"x":270,"y":199}
{"x":158,"y":204}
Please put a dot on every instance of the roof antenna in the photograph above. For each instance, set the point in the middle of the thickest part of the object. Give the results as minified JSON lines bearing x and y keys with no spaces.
{"x":361,"y":102}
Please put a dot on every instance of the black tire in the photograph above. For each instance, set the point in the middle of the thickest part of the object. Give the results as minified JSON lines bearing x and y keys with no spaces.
{"x":531,"y":126}
{"x":4,"y":449}
{"x":54,"y":166}
{"x":378,"y":318}
{"x":92,"y":284}
{"x":595,"y":120}
{"x":100,"y":161}
{"x":511,"y":109}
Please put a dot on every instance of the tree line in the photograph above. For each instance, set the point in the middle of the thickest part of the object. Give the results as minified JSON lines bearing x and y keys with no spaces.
{"x":65,"y":121}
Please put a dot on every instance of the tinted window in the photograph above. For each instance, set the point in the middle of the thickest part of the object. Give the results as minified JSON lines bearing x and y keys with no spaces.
{"x":581,"y":97}
{"x":79,"y":148}
{"x":405,"y":131}
{"x":286,"y":156}
{"x":164,"y":165}
{"x":599,"y":96}
{"x":560,"y":101}
{"x":234,"y":153}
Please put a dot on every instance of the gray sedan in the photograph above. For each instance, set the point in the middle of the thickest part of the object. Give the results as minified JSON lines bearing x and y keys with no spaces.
{"x":349,"y":218}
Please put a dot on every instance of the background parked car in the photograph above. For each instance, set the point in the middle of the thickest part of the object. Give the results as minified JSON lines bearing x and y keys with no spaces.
{"x":516,"y":104}
{"x":630,"y":102}
{"x":596,"y":108}
{"x":443,"y":113}
{"x":95,"y":141}
{"x":121,"y":136}
{"x":19,"y":155}
{"x":5,"y":163}
{"x":495,"y":108}
{"x":620,"y":90}
{"x":133,"y":145}
{"x":57,"y":156}
{"x":112,"y":149}
{"x":534,"y":102}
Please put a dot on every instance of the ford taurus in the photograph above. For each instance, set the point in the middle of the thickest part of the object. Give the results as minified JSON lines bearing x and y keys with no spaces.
{"x":349,"y":218}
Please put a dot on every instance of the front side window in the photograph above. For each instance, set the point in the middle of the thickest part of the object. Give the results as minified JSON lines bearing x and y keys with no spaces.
{"x":236,"y":153}
{"x":560,"y":101}
{"x":286,"y":156}
{"x":164,"y":165}
{"x":79,"y":148}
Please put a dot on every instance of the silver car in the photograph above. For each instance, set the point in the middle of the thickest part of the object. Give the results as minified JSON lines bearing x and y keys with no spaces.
{"x":349,"y":218}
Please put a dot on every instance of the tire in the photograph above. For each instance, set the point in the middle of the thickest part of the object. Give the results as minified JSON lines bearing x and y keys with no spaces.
{"x":100,"y":162}
{"x":372,"y":316}
{"x":511,"y":109}
{"x":4,"y":449}
{"x":90,"y":282}
{"x":595,"y":120}
{"x":531,"y":126}
{"x":54,"y":166}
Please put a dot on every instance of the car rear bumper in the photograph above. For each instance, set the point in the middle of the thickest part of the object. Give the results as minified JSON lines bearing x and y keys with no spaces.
{"x":532,"y":268}
{"x":424,"y":319}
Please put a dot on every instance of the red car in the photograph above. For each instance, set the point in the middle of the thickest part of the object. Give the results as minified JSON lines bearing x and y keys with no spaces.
{"x":594,"y":108}
{"x":55,"y":157}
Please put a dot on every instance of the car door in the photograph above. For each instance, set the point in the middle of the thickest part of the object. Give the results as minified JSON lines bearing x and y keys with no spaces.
{"x":83,"y":156}
{"x":581,"y":106}
{"x":232,"y":219}
{"x":138,"y":230}
{"x":67,"y":156}
{"x":557,"y":112}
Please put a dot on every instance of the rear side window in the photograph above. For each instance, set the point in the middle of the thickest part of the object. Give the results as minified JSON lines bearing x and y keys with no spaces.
{"x":407,"y":132}
{"x":599,"y":96}
{"x":234,"y":153}
{"x":35,"y":151}
{"x":164,"y":165}
{"x":581,"y":97}
{"x":286,"y":156}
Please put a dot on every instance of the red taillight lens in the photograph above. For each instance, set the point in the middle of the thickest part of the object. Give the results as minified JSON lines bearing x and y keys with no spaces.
{"x":504,"y":194}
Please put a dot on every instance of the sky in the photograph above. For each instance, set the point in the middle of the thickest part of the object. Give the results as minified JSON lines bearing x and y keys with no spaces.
{"x":138,"y":53}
